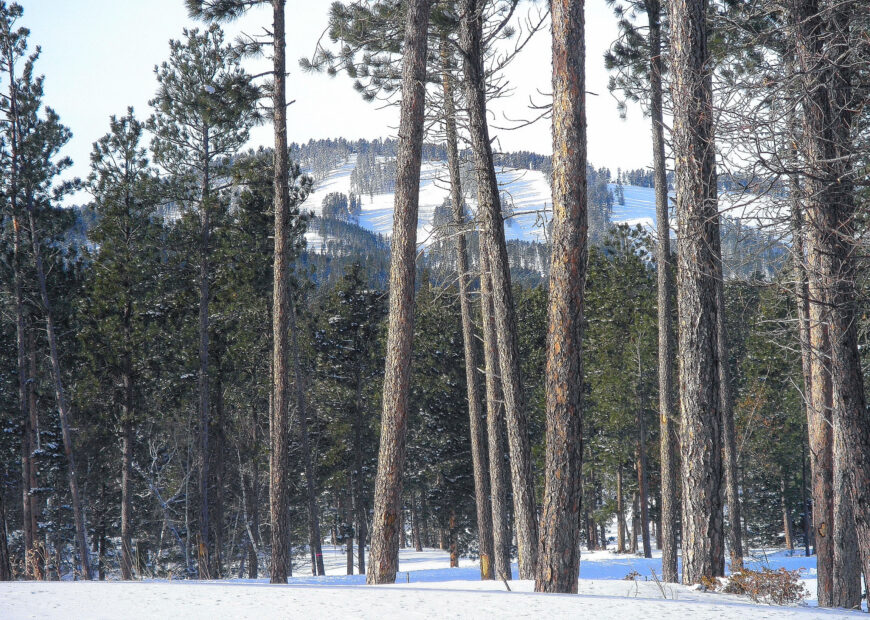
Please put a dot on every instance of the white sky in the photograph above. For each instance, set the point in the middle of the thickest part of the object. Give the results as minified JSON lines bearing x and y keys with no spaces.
{"x":98,"y":57}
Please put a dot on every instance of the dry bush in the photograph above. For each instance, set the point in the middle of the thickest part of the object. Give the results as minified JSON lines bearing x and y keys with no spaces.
{"x":632,"y":576}
{"x":774,"y":587}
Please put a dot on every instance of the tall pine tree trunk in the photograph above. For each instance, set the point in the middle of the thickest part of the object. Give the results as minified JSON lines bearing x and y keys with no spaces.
{"x":475,"y":408}
{"x":696,"y":286}
{"x":279,"y":419}
{"x":384,"y":555}
{"x":495,"y":429}
{"x":839,"y":245}
{"x":559,"y":558}
{"x":204,"y":542}
{"x":668,"y":418}
{"x":493,"y":240}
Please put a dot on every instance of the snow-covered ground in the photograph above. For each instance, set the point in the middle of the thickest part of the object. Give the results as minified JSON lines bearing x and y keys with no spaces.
{"x":425,"y":588}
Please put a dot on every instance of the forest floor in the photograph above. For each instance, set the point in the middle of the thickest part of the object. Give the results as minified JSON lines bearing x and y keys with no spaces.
{"x":425,"y":588}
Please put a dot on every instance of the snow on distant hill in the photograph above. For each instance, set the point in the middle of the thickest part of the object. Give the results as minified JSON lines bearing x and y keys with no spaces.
{"x":527,"y":189}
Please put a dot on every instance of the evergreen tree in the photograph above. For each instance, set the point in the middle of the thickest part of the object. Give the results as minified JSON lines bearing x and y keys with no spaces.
{"x":203,"y":110}
{"x":122,"y":280}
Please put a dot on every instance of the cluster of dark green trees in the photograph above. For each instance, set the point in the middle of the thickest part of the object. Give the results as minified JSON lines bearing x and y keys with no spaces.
{"x":189,"y":390}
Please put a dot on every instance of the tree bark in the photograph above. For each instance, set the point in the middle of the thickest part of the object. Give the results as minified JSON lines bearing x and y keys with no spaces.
{"x":668,"y":416}
{"x":696,"y":287}
{"x":359,"y":499}
{"x":279,"y":422}
{"x":559,"y":556}
{"x":384,"y":552}
{"x":475,"y":408}
{"x":786,"y":516}
{"x":729,"y":435}
{"x":495,"y":430}
{"x":643,"y":485}
{"x":493,"y":239}
{"x":620,"y":513}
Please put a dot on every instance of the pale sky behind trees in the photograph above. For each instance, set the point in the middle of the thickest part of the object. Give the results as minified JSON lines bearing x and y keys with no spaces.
{"x":98,"y":57}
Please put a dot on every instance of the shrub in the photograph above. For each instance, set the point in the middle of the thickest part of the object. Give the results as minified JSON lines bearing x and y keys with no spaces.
{"x":774,"y":587}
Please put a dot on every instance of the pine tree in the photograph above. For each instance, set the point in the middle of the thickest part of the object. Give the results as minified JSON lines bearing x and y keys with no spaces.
{"x":640,"y":59}
{"x":698,"y":216}
{"x":122,"y":280}
{"x":493,"y":242}
{"x":34,"y":143}
{"x":559,"y":558}
{"x":391,"y":457}
{"x":204,"y":108}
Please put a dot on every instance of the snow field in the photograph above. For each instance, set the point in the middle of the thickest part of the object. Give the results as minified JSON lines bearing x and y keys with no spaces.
{"x":425,"y":588}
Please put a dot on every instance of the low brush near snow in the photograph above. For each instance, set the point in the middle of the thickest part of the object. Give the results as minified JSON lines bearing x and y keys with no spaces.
{"x":424,"y":588}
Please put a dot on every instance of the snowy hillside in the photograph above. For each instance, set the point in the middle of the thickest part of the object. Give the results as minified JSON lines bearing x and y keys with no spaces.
{"x":425,"y":588}
{"x":528,"y":190}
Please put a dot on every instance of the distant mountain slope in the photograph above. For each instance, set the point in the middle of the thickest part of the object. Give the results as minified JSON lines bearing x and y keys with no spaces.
{"x":527,"y":190}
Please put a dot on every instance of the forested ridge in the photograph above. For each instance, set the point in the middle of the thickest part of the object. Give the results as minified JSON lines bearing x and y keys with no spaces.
{"x":202,"y":379}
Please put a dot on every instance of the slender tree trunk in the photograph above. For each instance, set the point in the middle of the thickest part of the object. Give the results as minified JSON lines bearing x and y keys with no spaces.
{"x":786,"y":514}
{"x":424,"y":521}
{"x":729,"y":435}
{"x":314,"y":536}
{"x":477,"y":425}
{"x":495,"y":430}
{"x":493,"y":239}
{"x":359,"y":500}
{"x":415,"y":525}
{"x":348,"y":530}
{"x":643,"y":485}
{"x":126,"y":495}
{"x":802,"y":298}
{"x":37,"y":566}
{"x":454,"y":542}
{"x":217,"y":568}
{"x":668,"y":415}
{"x":21,"y":342}
{"x":5,"y":565}
{"x":559,"y":557}
{"x":384,"y":552}
{"x":620,"y":513}
{"x":204,"y":552}
{"x":62,"y":405}
{"x":279,"y":422}
{"x":635,"y":522}
{"x":696,"y":287}
{"x":805,"y":506}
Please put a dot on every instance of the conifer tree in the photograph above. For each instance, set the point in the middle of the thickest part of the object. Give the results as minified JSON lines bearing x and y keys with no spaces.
{"x":283,"y":312}
{"x":639,"y":58}
{"x":559,"y":559}
{"x":391,"y":457}
{"x":203,"y":110}
{"x":122,"y":280}
{"x":33,"y":144}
